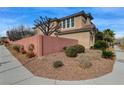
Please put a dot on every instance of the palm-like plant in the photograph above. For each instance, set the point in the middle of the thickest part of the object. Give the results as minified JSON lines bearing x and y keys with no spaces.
{"x":109,"y":36}
{"x":109,"y":32}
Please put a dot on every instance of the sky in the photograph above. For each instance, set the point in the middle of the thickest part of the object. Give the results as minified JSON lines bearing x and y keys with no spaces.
{"x":112,"y":18}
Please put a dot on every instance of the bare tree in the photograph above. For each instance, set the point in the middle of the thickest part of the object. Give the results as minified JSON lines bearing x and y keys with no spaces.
{"x":47,"y":25}
{"x":19,"y":32}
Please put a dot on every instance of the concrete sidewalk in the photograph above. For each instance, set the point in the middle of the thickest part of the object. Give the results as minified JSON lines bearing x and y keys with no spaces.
{"x":12,"y":72}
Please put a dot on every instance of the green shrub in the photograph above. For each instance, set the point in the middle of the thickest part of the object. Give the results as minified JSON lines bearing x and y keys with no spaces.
{"x":85,"y":64}
{"x":79,"y":48}
{"x":16,"y":48}
{"x":107,"y":54}
{"x":57,"y":64}
{"x":71,"y":52}
{"x":100,"y":44}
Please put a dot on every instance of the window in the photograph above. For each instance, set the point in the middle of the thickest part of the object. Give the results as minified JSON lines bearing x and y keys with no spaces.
{"x":63,"y":23}
{"x":72,"y":22}
{"x":68,"y":23}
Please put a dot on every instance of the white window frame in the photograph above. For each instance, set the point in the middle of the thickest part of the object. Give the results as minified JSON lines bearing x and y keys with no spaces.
{"x":71,"y":22}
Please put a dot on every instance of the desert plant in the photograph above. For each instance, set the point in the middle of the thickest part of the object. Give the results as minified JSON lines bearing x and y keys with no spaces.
{"x":57,"y":64}
{"x":6,"y":43}
{"x":22,"y":49}
{"x":107,"y":54}
{"x":30,"y":52}
{"x":1,"y":43}
{"x":31,"y":47}
{"x":16,"y":48}
{"x":71,"y":52}
{"x":79,"y":48}
{"x":64,"y":48}
{"x":85,"y":64}
{"x":99,"y":36}
{"x":100,"y":44}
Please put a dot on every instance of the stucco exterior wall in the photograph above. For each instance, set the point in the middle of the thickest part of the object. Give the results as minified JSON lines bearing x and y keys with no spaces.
{"x":83,"y":38}
{"x":38,"y":31}
{"x":79,"y":22}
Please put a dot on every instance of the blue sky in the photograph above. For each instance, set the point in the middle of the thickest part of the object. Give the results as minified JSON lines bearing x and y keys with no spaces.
{"x":112,"y":18}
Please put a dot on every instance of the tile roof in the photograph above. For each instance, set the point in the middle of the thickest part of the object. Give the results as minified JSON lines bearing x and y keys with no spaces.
{"x":85,"y":15}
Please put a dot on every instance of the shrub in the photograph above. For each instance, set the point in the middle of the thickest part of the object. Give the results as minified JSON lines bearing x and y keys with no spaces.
{"x":107,"y":54}
{"x":71,"y":52}
{"x":16,"y":48}
{"x":1,"y":42}
{"x":22,"y":50}
{"x":6,"y":43}
{"x":100,"y":44}
{"x":85,"y":64}
{"x":31,"y":47}
{"x":30,"y":54}
{"x":79,"y":48}
{"x":57,"y":64}
{"x":64,"y":48}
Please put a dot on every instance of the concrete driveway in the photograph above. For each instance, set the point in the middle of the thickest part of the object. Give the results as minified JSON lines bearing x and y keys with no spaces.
{"x":12,"y":72}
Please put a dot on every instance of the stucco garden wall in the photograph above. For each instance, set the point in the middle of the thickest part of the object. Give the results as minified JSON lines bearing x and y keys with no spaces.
{"x":46,"y":44}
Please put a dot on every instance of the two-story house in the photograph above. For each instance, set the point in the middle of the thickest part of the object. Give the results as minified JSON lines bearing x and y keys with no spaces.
{"x":76,"y":26}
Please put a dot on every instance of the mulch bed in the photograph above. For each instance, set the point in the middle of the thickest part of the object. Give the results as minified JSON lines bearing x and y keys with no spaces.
{"x":43,"y":66}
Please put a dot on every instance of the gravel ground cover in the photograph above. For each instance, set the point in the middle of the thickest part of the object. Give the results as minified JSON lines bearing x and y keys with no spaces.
{"x":43,"y":66}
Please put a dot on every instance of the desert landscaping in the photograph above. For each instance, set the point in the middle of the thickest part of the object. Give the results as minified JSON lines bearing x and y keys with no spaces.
{"x":60,"y":58}
{"x":72,"y":68}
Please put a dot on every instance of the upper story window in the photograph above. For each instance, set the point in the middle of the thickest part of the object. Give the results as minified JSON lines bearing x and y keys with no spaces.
{"x":63,"y":23}
{"x":72,"y":22}
{"x":68,"y":23}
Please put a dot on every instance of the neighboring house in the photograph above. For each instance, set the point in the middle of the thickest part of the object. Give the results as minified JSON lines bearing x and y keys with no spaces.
{"x":76,"y":26}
